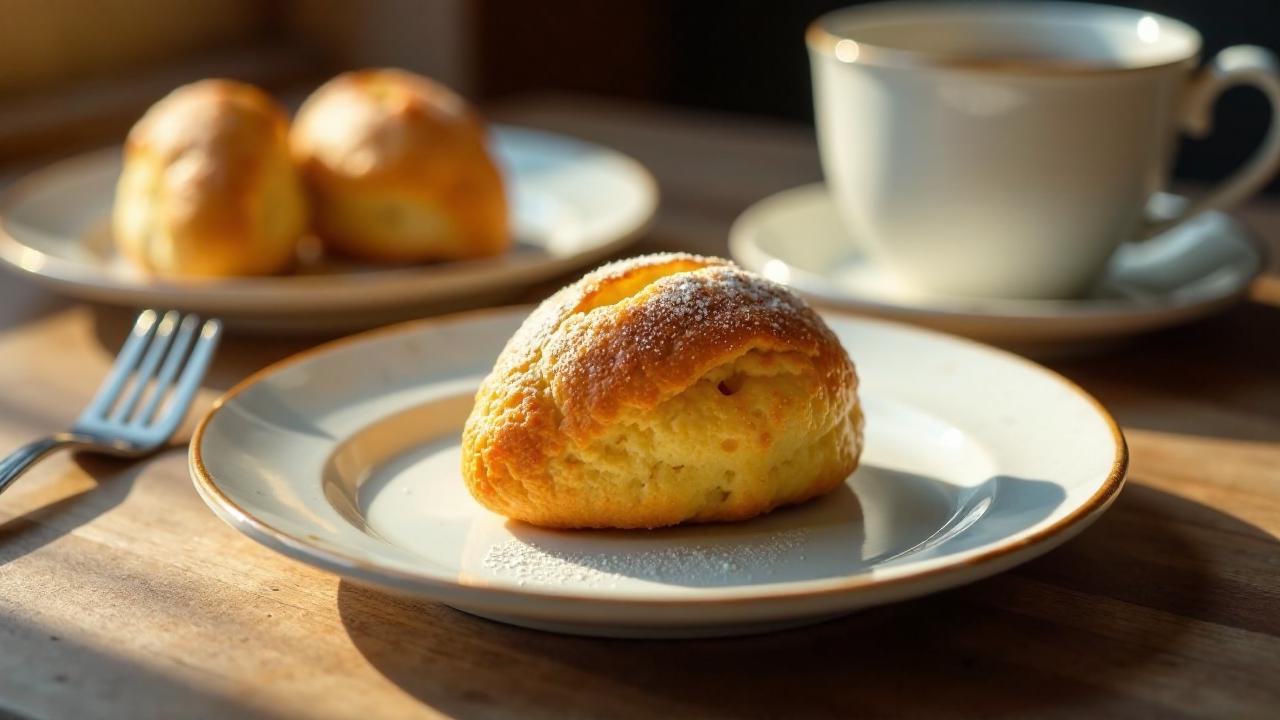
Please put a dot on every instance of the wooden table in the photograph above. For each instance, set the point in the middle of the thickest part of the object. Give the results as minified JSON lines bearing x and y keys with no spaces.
{"x":122,"y":595}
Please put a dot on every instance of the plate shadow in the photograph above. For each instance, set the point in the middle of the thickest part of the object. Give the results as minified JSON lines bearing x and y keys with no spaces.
{"x":829,"y":533}
{"x":1067,"y":634}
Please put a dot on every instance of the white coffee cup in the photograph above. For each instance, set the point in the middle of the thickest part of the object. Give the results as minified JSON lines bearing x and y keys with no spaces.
{"x":1006,"y":149}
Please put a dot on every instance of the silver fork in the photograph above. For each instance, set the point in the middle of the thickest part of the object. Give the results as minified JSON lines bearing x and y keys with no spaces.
{"x":118,"y":422}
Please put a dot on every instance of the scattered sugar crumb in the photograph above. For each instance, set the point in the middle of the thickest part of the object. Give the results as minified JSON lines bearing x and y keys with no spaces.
{"x":526,"y":562}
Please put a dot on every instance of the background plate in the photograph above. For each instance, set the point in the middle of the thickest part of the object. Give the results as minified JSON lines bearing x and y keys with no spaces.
{"x":573,"y":203}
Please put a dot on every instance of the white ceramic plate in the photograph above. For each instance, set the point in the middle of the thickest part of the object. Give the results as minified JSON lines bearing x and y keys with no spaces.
{"x":573,"y":204}
{"x":347,"y":457}
{"x":796,"y":238}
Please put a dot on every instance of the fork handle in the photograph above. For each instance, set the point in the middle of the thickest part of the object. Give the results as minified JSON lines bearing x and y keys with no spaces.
{"x":24,"y":457}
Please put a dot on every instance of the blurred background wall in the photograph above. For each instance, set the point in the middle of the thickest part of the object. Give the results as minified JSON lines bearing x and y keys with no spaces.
{"x":76,"y":73}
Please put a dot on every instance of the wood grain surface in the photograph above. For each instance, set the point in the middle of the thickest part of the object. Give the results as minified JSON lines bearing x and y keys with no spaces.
{"x":121,"y":595}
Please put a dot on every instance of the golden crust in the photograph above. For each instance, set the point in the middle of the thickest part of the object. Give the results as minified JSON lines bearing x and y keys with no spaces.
{"x":207,"y":187}
{"x":660,"y":390}
{"x":399,"y":169}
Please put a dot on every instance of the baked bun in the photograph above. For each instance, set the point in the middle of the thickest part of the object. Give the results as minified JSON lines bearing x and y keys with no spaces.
{"x":398,"y":169}
{"x":661,"y":390}
{"x":208,"y":188}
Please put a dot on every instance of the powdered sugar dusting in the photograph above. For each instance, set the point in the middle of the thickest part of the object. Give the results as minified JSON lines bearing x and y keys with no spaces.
{"x":729,"y":296}
{"x":533,"y":563}
{"x":618,"y":343}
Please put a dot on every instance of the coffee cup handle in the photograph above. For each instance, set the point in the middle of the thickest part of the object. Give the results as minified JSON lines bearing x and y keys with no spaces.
{"x":1236,"y":65}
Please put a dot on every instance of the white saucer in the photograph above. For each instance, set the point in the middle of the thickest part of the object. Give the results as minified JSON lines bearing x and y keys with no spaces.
{"x":796,"y":238}
{"x":574,"y":203}
{"x":347,"y":458}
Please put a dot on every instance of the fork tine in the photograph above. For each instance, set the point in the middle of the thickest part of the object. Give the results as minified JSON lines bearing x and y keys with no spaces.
{"x":192,"y":374}
{"x":177,"y":352}
{"x":159,"y":343}
{"x":123,"y":366}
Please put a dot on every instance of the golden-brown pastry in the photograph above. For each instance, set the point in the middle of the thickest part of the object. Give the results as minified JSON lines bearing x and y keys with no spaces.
{"x":660,"y":390}
{"x":399,"y":170}
{"x":208,"y":188}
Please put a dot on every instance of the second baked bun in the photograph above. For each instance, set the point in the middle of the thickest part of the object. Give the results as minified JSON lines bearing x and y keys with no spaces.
{"x":208,"y":189}
{"x":661,"y":390}
{"x":399,"y":170}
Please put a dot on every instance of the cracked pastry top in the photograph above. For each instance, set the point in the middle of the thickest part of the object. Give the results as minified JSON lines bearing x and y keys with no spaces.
{"x":661,"y":390}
